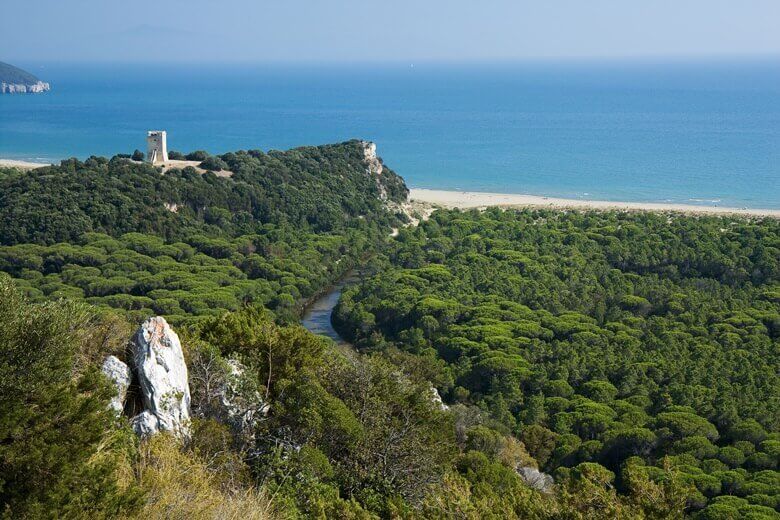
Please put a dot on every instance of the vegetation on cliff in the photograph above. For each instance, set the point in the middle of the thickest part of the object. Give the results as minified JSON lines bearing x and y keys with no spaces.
{"x":15,"y":80}
{"x":15,"y":75}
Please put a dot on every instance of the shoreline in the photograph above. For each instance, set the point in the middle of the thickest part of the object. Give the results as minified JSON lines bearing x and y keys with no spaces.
{"x":24,"y":165}
{"x":475,"y":199}
{"x":479,"y":199}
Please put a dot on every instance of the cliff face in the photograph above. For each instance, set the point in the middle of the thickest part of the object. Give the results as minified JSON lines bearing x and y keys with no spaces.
{"x":21,"y":88}
{"x":14,"y":80}
{"x":392,"y":188}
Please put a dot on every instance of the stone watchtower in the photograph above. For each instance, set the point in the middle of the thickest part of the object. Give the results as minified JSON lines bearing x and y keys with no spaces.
{"x":156,"y":146}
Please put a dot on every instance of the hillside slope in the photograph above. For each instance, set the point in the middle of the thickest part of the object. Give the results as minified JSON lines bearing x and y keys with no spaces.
{"x":15,"y":80}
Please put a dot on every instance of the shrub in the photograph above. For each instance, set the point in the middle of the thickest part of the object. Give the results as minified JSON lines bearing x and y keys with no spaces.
{"x":59,"y":453}
{"x":214,"y":164}
{"x":198,"y":155}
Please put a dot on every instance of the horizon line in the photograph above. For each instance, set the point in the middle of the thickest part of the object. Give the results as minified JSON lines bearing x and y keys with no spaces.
{"x":645,"y":58}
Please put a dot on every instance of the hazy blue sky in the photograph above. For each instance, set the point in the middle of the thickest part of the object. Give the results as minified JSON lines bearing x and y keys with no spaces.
{"x":387,"y":30}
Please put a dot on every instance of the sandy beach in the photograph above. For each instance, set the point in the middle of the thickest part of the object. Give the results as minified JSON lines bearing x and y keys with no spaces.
{"x":24,"y":165}
{"x":472,"y":199}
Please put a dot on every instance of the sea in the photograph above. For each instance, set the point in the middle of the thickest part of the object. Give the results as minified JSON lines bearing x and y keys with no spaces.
{"x":703,"y":131}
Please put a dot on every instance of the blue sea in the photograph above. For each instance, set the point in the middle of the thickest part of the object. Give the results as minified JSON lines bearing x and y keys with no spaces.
{"x":701,"y":132}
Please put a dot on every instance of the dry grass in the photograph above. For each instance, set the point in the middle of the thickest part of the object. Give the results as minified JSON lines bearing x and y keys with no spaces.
{"x":178,"y":485}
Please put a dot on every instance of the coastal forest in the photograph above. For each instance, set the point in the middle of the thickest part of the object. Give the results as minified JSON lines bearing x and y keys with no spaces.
{"x":508,"y":364}
{"x":623,"y":341}
{"x":118,"y":234}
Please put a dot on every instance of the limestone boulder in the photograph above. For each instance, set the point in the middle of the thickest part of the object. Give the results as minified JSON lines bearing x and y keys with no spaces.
{"x":162,"y":376}
{"x":437,"y":400}
{"x":145,"y":424}
{"x":536,"y":479}
{"x":120,"y":375}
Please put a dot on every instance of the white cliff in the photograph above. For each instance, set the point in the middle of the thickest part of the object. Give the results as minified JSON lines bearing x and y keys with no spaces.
{"x":374,"y":166}
{"x":22,"y":88}
{"x":372,"y":161}
{"x":437,"y":400}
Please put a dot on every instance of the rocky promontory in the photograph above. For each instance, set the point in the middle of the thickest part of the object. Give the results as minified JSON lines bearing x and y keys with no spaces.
{"x":14,"y":80}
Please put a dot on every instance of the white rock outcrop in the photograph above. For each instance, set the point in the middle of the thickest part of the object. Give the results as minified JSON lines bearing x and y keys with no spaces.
{"x":242,"y":409}
{"x":23,"y":88}
{"x":536,"y":479}
{"x":145,"y":424}
{"x":119,"y":374}
{"x":436,"y":399}
{"x":162,"y":375}
{"x":369,"y":155}
{"x":374,"y":167}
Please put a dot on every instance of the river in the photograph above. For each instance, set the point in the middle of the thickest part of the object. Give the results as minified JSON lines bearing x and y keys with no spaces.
{"x":316,"y":318}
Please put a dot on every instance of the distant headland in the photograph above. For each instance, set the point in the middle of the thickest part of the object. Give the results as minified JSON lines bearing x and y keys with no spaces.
{"x":421,"y":200}
{"x":14,"y":80}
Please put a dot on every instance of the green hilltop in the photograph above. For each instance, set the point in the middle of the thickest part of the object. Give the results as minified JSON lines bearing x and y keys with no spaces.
{"x":11,"y":74}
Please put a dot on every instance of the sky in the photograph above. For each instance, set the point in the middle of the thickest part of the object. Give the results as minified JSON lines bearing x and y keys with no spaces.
{"x":382,"y":30}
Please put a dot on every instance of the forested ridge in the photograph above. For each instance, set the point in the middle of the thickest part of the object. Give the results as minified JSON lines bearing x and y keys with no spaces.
{"x":11,"y":74}
{"x":606,"y":338}
{"x":632,"y":356}
{"x":118,"y":233}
